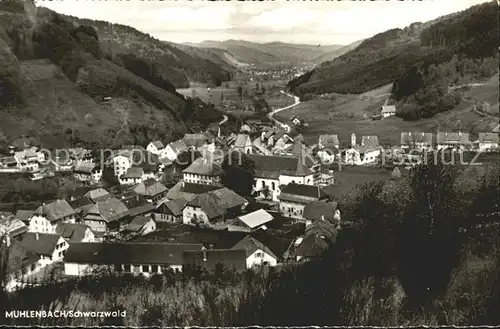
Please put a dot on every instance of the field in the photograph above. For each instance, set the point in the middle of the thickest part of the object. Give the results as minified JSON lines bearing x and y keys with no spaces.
{"x":227,"y":99}
{"x":345,"y":114}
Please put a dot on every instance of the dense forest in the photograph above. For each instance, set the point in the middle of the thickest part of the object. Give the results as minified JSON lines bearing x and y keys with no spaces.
{"x":179,"y":66}
{"x":421,"y":60}
{"x":55,"y":73}
{"x":420,"y":250}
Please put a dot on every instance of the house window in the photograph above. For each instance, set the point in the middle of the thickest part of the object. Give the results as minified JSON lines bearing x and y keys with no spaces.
{"x":33,"y":267}
{"x":154,"y":268}
{"x":263,"y":184}
{"x":145,"y":268}
{"x":259,"y":254}
{"x":273,"y":186}
{"x":126,"y":268}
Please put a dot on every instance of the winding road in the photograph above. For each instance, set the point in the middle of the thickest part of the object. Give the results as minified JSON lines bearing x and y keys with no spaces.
{"x":272,"y":113}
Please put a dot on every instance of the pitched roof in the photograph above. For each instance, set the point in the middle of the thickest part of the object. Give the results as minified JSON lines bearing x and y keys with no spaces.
{"x":216,"y":203}
{"x":256,"y":218}
{"x":322,"y":228}
{"x":12,"y":225}
{"x":242,"y":140}
{"x":128,"y":253}
{"x":203,"y":166}
{"x":408,"y":138}
{"x":388,"y":109}
{"x":188,"y":191}
{"x":85,"y":167}
{"x":40,"y":243}
{"x":270,"y":166}
{"x":370,"y":141}
{"x":178,"y":146}
{"x":158,"y":144}
{"x":196,"y":140}
{"x":133,"y":172}
{"x":176,"y":206}
{"x":311,"y":246}
{"x":81,"y":204}
{"x":55,"y":210}
{"x":72,"y":232}
{"x":106,"y":209}
{"x":328,"y":140}
{"x":131,"y":213}
{"x":488,"y":138}
{"x":317,"y":210}
{"x":150,"y":187}
{"x":452,"y":138}
{"x":20,"y":257}
{"x":97,"y":194}
{"x":251,"y":245}
{"x":24,"y":215}
{"x":301,"y":193}
{"x":209,"y":259}
{"x":138,"y":223}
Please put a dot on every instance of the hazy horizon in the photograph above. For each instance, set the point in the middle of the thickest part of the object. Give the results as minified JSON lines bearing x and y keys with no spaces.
{"x":311,"y":23}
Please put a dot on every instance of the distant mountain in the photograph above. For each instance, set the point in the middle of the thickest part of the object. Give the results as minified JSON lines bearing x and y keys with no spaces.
{"x":269,"y":54}
{"x":59,"y":85}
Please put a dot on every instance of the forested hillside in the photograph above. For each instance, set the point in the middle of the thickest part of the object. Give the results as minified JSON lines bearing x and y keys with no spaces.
{"x":405,"y":56}
{"x":54,"y":76}
{"x":180,"y":67}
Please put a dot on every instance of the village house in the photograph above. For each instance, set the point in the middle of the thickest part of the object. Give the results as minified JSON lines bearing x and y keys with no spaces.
{"x":75,"y":232}
{"x":24,"y":216}
{"x":151,"y":189}
{"x":316,"y":239}
{"x":198,"y":140}
{"x":97,"y":194}
{"x":451,"y":140}
{"x":188,"y":191}
{"x":294,"y":198}
{"x":368,"y":153}
{"x":134,"y":258}
{"x":100,"y":218}
{"x":242,"y":143}
{"x":28,"y":159}
{"x":11,"y":226}
{"x":488,"y":142}
{"x":135,"y":175}
{"x":10,"y":164}
{"x":20,"y":265}
{"x":61,"y":160}
{"x":203,"y":171}
{"x":210,"y":207}
{"x":121,"y":220}
{"x":295,"y":120}
{"x":328,"y":148}
{"x":388,"y":111}
{"x":322,"y":210}
{"x":257,"y":254}
{"x":416,"y":140}
{"x":46,"y":217}
{"x":80,"y":154}
{"x":172,"y":151}
{"x":213,"y":259}
{"x":253,"y":221}
{"x":170,"y":211}
{"x":122,"y":161}
{"x":48,"y":247}
{"x":155,"y":147}
{"x":87,"y":172}
{"x":271,"y":172}
{"x":140,"y":225}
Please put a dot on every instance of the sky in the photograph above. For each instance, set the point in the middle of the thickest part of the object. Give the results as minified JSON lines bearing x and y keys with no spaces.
{"x":303,"y":22}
